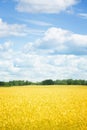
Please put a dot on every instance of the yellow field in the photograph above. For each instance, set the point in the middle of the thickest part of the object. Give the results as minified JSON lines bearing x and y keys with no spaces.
{"x":43,"y":108}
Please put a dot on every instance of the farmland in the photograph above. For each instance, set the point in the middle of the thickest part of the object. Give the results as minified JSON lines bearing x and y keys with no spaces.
{"x":43,"y":108}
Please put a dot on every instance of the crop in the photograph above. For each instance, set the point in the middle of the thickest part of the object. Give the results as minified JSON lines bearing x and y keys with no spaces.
{"x":43,"y":108}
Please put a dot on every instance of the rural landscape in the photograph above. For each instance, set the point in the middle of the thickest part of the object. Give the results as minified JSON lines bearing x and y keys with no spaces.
{"x":43,"y":108}
{"x":43,"y":65}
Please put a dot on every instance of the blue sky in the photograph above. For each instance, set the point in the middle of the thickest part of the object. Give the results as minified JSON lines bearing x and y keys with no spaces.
{"x":43,"y":39}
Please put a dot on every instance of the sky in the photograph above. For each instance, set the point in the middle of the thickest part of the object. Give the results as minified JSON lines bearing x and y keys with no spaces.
{"x":43,"y":39}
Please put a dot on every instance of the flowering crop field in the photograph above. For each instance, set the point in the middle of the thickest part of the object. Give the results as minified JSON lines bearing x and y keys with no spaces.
{"x":43,"y":108}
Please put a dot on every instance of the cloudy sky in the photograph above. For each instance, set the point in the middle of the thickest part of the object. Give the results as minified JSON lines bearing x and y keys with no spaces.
{"x":43,"y":39}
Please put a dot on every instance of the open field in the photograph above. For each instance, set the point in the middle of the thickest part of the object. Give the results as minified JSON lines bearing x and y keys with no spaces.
{"x":43,"y":108}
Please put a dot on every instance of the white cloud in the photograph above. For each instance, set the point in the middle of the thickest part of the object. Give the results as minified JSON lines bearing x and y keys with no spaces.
{"x":57,"y":34}
{"x":37,"y":22}
{"x":6,"y":45}
{"x":12,"y":29}
{"x":6,"y":50}
{"x":83,"y":15}
{"x":79,"y":40}
{"x":62,"y":36}
{"x":38,"y":67}
{"x":17,"y":30}
{"x":58,"y":54}
{"x":44,"y":6}
{"x":58,"y":41}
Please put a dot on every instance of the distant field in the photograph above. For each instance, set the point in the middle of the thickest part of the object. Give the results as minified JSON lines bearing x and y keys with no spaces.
{"x":43,"y":108}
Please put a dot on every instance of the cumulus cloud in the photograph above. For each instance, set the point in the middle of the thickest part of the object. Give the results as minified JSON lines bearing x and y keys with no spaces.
{"x":18,"y":65}
{"x":12,"y":29}
{"x":33,"y":67}
{"x":44,"y":6}
{"x":58,"y":54}
{"x":59,"y":41}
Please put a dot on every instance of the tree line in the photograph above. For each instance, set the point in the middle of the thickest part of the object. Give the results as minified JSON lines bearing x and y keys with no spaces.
{"x":44,"y":82}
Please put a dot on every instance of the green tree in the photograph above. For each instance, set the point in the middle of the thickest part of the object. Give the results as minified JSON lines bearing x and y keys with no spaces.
{"x":47,"y":82}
